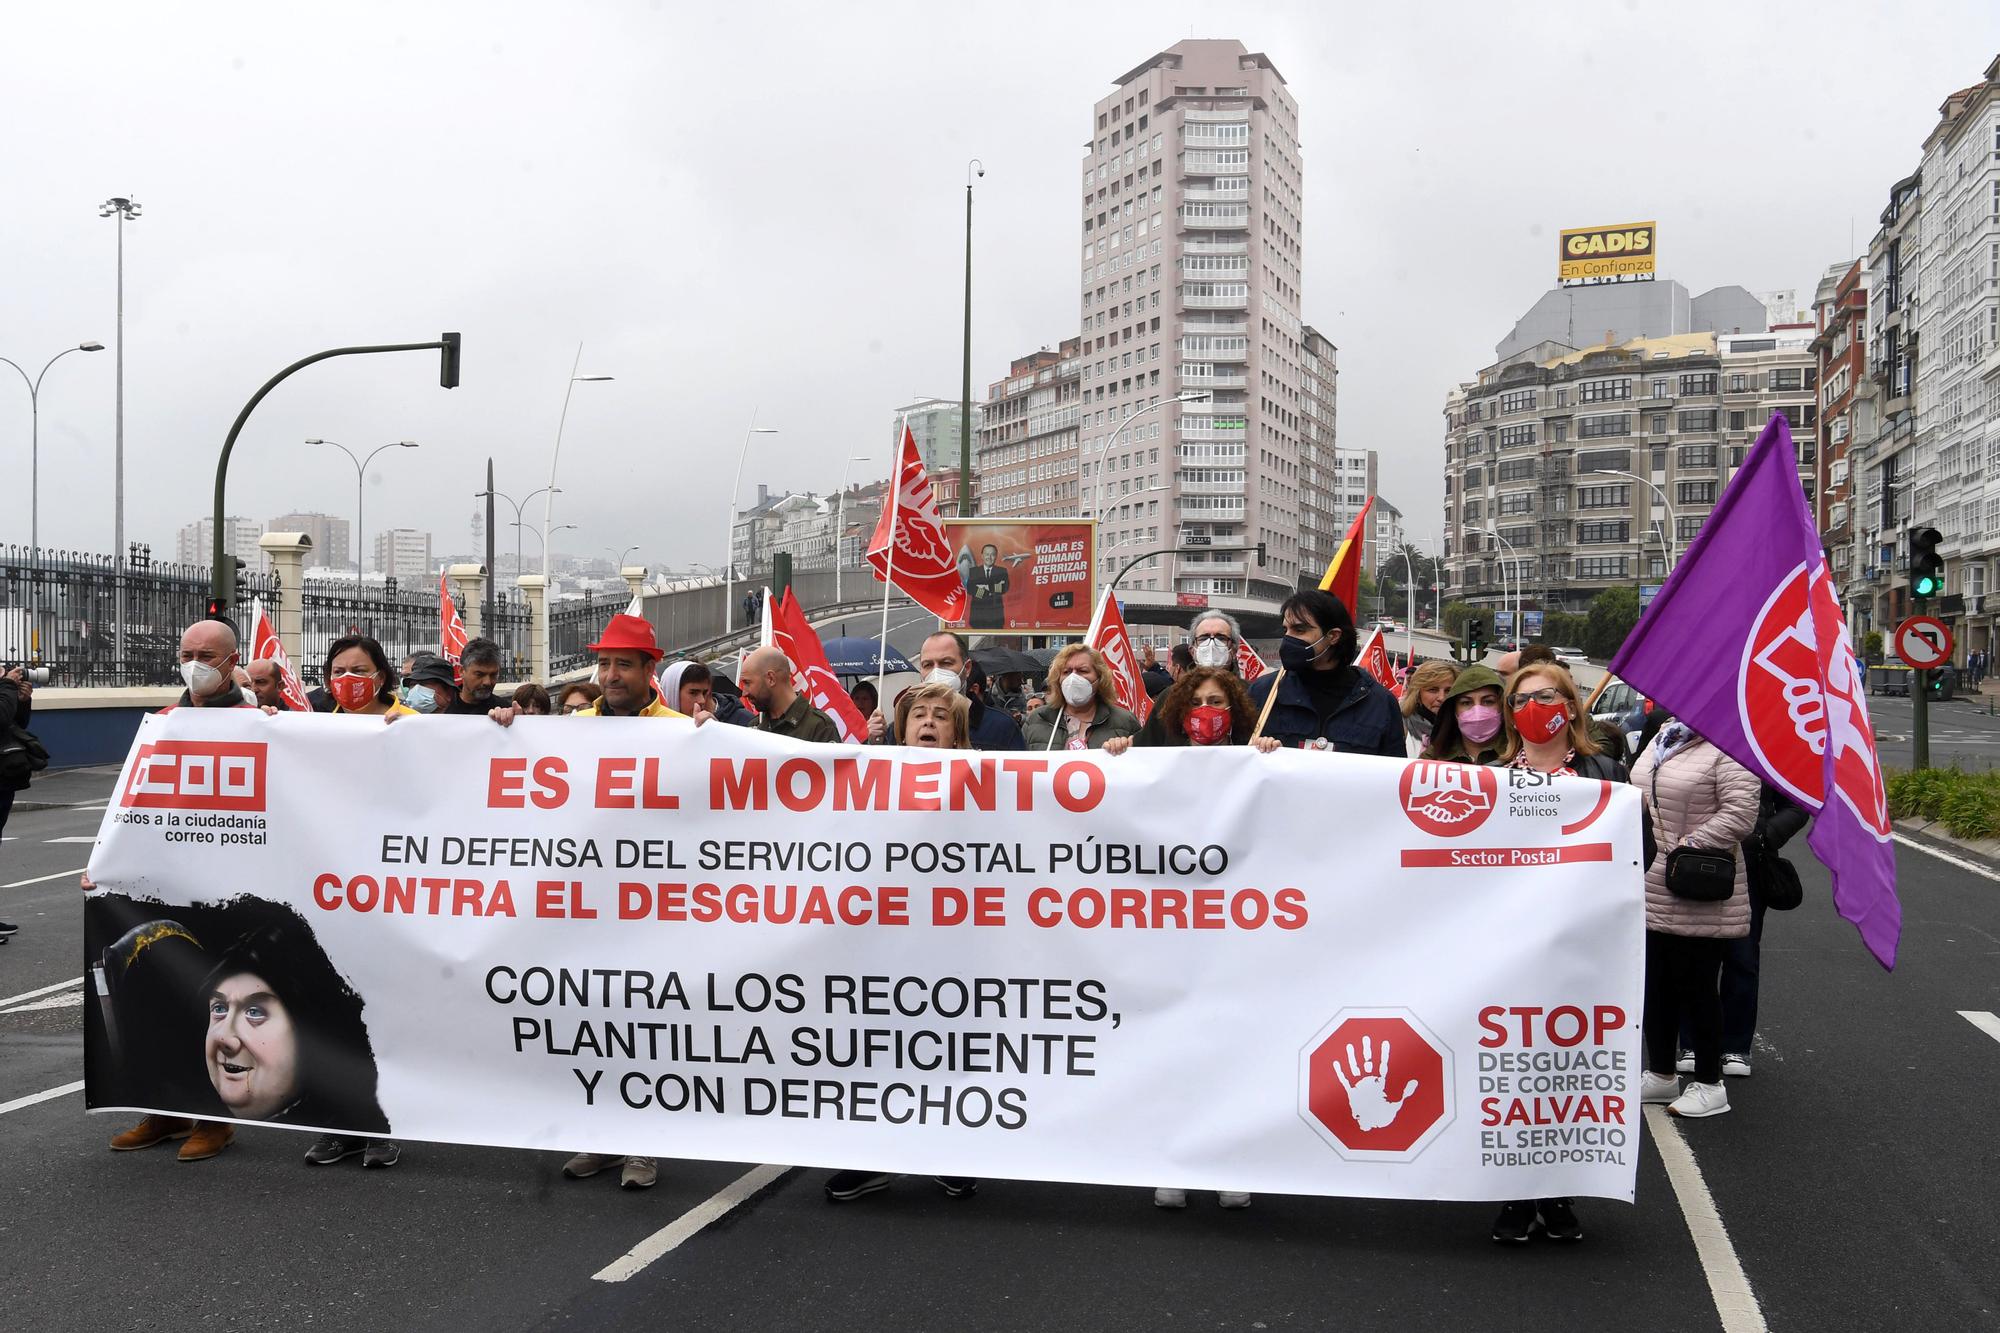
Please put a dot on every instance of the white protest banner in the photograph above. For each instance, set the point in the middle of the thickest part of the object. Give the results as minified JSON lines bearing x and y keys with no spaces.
{"x":1304,"y":973}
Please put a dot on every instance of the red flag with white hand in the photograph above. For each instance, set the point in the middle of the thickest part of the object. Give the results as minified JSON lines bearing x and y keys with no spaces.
{"x":451,"y":629}
{"x":1248,"y":664}
{"x":812,"y":674}
{"x":1375,"y":661}
{"x":1113,"y":642}
{"x":266,"y":646}
{"x":909,"y":548}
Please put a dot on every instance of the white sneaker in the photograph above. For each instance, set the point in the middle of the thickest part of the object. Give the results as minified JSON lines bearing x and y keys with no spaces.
{"x":1233,"y":1199}
{"x":1736,"y":1066}
{"x":1169,"y":1198}
{"x":1698,"y":1100}
{"x":1657,"y":1089}
{"x":1685,"y":1061}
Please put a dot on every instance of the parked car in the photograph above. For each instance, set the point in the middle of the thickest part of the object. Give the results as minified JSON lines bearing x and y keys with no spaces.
{"x":1622,"y":707}
{"x":1571,"y":656}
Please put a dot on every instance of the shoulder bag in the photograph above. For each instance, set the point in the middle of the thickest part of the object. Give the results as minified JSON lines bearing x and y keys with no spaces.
{"x":1699,"y":874}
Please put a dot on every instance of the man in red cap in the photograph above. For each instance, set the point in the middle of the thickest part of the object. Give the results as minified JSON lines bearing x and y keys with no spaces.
{"x":626,"y":656}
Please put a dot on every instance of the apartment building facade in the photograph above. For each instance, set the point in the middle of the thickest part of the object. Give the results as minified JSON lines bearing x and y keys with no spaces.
{"x":404,"y":554}
{"x":194,"y":544}
{"x":1568,"y":472}
{"x":1192,"y":199}
{"x":1028,"y":461}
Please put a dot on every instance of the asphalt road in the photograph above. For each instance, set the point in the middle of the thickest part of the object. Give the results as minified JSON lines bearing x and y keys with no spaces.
{"x":1858,"y":1178}
{"x":1962,"y":732}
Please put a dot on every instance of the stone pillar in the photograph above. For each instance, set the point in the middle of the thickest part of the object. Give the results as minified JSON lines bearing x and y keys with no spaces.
{"x":536,"y":589}
{"x":635,"y":578}
{"x":470,"y":583}
{"x":287,"y":554}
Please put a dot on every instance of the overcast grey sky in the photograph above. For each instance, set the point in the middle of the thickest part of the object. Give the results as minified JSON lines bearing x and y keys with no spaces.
{"x":758,"y":207}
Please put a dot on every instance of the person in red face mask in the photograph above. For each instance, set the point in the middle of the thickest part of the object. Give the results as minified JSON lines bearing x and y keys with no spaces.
{"x":359,"y":679}
{"x":1205,"y":706}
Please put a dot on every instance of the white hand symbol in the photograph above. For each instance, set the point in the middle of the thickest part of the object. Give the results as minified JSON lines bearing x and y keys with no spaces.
{"x":1367,"y":1090}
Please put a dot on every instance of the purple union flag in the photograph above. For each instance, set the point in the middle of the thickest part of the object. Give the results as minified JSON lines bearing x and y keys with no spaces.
{"x":1746,"y":644}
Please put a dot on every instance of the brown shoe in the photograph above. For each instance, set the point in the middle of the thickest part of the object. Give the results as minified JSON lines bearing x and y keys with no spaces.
{"x":209,"y":1138}
{"x":153,"y":1129}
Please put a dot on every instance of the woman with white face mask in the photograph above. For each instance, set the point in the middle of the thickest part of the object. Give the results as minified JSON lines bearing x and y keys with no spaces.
{"x":1087,"y":714}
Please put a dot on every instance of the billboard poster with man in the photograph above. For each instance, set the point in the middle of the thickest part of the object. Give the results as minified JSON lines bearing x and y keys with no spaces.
{"x":1024,"y":576}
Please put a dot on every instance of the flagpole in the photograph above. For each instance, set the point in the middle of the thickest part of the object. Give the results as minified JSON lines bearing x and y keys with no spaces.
{"x":1269,"y":699}
{"x":889,"y":568}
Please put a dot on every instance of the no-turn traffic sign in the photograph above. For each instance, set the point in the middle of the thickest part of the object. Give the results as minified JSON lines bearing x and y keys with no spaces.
{"x":1923,"y":642}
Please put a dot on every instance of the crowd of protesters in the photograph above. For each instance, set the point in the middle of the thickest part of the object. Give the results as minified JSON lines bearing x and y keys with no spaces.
{"x":1708,"y":826}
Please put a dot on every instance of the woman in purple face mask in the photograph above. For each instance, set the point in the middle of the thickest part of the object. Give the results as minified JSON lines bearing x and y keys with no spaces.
{"x":1471,"y":725}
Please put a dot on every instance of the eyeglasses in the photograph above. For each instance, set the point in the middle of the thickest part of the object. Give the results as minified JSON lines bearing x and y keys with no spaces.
{"x":1214,"y":638}
{"x":573,"y":708}
{"x":1541,"y":696}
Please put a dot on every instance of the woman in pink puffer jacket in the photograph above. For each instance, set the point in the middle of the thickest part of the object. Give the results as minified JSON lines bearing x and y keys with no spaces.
{"x":1695,"y":796}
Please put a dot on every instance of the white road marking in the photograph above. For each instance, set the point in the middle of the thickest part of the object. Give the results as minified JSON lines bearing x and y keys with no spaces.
{"x":1727,"y":1284}
{"x":30,"y":1100}
{"x":60,"y":1000}
{"x":83,"y":837}
{"x":1958,"y":861}
{"x":44,"y":990}
{"x":41,"y":879}
{"x":685,"y":1227}
{"x":1984,"y":1021}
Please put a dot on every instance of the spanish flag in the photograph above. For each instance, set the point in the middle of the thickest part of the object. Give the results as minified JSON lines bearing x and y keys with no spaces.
{"x":1343,"y":572}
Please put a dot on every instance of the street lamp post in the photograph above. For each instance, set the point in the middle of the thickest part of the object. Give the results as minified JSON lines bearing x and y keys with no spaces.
{"x":839,"y":522}
{"x":729,"y":532}
{"x":518,"y":506}
{"x":35,"y":438}
{"x":539,"y":535}
{"x":549,"y":501}
{"x":1104,"y":449}
{"x":360,"y":492}
{"x":125,"y":210}
{"x":1666,"y":537}
{"x":965,"y":388}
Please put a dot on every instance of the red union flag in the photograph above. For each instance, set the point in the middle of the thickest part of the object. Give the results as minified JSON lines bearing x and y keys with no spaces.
{"x":1777,"y":689}
{"x":812,"y":674}
{"x":265,"y":646}
{"x":1375,"y":661}
{"x":1110,"y":638}
{"x":1248,"y":664}
{"x":909,"y":548}
{"x":451,"y":630}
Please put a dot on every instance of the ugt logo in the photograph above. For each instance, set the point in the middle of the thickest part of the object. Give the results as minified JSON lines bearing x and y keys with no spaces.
{"x":1799,"y":639}
{"x":197,"y":775}
{"x":1448,"y":800}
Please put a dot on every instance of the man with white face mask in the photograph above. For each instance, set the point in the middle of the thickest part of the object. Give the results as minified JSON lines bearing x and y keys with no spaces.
{"x":208,"y":669}
{"x":943,"y":659}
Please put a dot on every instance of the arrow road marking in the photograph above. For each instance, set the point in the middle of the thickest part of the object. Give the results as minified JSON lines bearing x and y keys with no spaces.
{"x":1984,"y":1021}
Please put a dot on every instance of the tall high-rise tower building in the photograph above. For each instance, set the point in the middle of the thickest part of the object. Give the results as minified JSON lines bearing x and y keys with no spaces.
{"x":1192,"y":196}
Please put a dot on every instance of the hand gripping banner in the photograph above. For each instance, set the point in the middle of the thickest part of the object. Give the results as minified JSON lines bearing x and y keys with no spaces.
{"x":644,"y":936}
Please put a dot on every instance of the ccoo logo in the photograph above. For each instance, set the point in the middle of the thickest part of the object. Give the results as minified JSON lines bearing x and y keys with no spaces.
{"x":197,"y":775}
{"x":1448,"y":800}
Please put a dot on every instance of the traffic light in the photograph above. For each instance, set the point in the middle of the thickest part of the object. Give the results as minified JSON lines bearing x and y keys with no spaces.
{"x":1260,"y":555}
{"x":448,"y":362}
{"x":232,"y":569}
{"x":1926,"y":565}
{"x":1475,"y":637}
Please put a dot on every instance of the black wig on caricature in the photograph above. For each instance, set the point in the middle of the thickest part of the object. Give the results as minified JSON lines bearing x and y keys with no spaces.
{"x":336,"y":1062}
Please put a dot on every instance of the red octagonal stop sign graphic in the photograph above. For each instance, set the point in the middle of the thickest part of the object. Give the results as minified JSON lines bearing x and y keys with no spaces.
{"x":1376,"y":1084}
